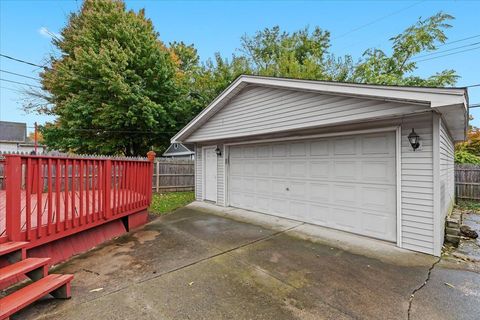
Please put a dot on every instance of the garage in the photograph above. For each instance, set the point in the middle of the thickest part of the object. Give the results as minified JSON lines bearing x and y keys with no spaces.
{"x":345,"y":182}
{"x":371,"y":160}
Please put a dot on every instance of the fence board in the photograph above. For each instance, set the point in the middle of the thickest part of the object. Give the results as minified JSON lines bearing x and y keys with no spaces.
{"x":467,"y":181}
{"x":173,"y":175}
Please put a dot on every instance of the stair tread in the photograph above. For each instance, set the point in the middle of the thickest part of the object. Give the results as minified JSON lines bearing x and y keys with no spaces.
{"x":8,"y":247}
{"x":29,"y":294}
{"x":21,"y":267}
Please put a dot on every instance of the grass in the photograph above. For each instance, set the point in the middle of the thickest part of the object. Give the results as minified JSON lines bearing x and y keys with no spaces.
{"x":469,"y":205}
{"x":167,"y":202}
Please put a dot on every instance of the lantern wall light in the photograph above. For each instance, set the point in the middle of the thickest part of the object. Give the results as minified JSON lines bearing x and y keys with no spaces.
{"x":218,"y":152}
{"x":414,"y":139}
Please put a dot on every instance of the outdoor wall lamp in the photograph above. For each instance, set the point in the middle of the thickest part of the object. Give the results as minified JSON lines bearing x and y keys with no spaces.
{"x":218,"y":152}
{"x":414,"y":138}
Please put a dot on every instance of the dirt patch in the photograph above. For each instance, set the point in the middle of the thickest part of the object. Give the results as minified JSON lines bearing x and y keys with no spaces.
{"x":145,"y":236}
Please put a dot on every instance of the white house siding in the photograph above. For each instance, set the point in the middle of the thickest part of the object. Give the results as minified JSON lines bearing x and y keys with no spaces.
{"x":198,"y":173}
{"x":417,"y":186}
{"x":447,"y":174}
{"x":221,"y":177}
{"x":261,"y":110}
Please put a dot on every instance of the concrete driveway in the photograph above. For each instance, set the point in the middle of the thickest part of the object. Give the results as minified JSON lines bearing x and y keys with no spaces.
{"x":193,"y":264}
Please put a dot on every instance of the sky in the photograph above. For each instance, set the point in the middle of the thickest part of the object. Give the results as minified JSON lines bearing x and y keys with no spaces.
{"x":217,"y":26}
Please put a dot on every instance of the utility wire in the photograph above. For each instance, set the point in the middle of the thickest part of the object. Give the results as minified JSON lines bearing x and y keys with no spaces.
{"x":449,"y":54}
{"x":20,"y":60}
{"x":116,"y":131}
{"x":473,"y":85}
{"x":22,"y":83}
{"x":376,"y":20}
{"x":19,"y":75}
{"x":12,"y":89}
{"x":448,"y":50}
{"x":459,"y":40}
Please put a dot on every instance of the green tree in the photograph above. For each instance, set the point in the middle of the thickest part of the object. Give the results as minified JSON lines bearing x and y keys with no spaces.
{"x":113,"y":87}
{"x":304,"y":54}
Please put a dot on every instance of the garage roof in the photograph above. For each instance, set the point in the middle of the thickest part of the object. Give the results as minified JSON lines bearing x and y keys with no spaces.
{"x":452,"y":103}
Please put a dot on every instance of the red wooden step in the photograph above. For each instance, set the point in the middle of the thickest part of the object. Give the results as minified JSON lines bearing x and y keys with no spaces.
{"x":34,"y":268}
{"x":56,"y":284}
{"x":9,"y":247}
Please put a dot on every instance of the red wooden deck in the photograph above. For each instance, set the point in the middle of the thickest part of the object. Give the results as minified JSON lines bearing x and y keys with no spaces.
{"x":87,"y":206}
{"x":46,"y":198}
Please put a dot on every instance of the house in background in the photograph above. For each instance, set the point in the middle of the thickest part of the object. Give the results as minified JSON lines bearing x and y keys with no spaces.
{"x":180,"y":152}
{"x":13,"y":138}
{"x":373,"y":160}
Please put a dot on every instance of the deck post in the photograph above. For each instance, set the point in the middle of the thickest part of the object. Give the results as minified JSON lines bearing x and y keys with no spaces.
{"x":108,"y":189}
{"x":13,"y":179}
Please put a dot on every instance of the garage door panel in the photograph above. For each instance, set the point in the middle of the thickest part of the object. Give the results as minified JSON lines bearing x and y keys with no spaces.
{"x":378,"y":171}
{"x":319,"y":214}
{"x":319,"y":192}
{"x":344,"y":146}
{"x":249,"y":167}
{"x":280,"y":207}
{"x":319,"y":169}
{"x":279,"y":150}
{"x":298,"y":149}
{"x":263,"y":186}
{"x":377,"y":145}
{"x":298,"y":169}
{"x":345,"y":195}
{"x":262,"y":203}
{"x":344,"y":219}
{"x":297,"y":190}
{"x":319,"y":148}
{"x":375,"y":225}
{"x":263,"y":168}
{"x":279,"y":168}
{"x":347,"y":183}
{"x":345,"y":170}
{"x":378,"y":198}
{"x":264,"y":151}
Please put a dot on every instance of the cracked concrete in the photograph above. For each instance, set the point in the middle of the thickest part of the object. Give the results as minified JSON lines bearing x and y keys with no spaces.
{"x":195,"y":265}
{"x":412,"y":296}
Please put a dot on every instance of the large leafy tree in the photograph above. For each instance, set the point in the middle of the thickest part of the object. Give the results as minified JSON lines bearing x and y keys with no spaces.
{"x":113,"y":87}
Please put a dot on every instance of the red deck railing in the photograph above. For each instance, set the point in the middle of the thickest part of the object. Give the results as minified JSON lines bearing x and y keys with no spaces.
{"x":44,"y":198}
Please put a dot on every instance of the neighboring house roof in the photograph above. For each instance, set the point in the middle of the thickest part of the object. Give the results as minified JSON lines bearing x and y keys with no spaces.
{"x":177,"y":149}
{"x":15,"y":132}
{"x":450,"y":102}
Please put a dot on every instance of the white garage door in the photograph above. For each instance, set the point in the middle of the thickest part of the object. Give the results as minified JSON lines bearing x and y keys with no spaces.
{"x":346,"y":183}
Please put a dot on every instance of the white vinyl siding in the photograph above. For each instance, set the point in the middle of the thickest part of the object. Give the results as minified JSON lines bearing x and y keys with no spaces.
{"x":262,"y":110}
{"x":220,"y":177}
{"x":417,"y":185}
{"x":198,"y":173}
{"x":447,"y":174}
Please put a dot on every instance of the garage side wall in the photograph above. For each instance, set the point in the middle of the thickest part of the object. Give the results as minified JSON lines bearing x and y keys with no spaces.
{"x":417,"y":186}
{"x":447,"y":175}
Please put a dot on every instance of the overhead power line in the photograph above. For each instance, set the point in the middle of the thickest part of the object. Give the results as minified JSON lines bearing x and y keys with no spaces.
{"x":376,"y":20}
{"x":22,"y":83}
{"x":19,"y":75}
{"x":449,"y":54}
{"x":458,"y":40}
{"x":21,"y":61}
{"x":473,"y":85}
{"x":448,"y":50}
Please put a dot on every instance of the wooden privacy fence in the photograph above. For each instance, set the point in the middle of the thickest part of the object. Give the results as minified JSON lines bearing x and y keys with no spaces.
{"x":173,"y":175}
{"x":467,"y":181}
{"x":45,"y":198}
